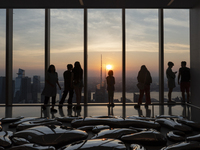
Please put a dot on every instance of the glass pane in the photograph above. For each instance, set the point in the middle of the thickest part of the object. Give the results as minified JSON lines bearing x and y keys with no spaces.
{"x":66,"y":42}
{"x":104,"y":53}
{"x":176,"y":45}
{"x":142,"y":49}
{"x":28,"y":55}
{"x":2,"y":54}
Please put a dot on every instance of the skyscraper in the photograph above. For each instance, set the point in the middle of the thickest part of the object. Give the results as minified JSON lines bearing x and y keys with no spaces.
{"x":36,"y":96}
{"x":22,"y":92}
{"x":26,"y":95}
{"x":18,"y":82}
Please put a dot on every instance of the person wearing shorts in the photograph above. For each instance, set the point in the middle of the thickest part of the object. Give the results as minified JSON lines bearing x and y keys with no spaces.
{"x":184,"y":81}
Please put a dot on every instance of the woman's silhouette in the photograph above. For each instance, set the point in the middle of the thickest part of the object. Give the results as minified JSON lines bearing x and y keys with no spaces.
{"x":171,"y":80}
{"x":50,"y":89}
{"x":77,"y":76}
{"x":144,"y":77}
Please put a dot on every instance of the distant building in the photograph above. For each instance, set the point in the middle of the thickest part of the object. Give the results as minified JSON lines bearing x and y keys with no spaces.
{"x":18,"y":82}
{"x":22,"y":92}
{"x":36,"y":96}
{"x":101,"y":95}
{"x":26,"y":90}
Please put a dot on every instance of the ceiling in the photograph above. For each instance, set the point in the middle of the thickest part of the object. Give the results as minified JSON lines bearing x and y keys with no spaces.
{"x":180,"y":4}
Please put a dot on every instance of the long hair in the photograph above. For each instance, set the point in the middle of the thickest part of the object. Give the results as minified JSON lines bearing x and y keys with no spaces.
{"x":78,"y":71}
{"x":77,"y":65}
{"x":49,"y":69}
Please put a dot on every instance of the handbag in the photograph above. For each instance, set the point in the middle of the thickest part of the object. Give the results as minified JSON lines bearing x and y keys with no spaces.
{"x":141,"y":86}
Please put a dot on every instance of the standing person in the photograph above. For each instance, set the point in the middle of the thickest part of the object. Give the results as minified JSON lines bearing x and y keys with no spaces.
{"x":171,"y":80}
{"x":184,"y":74}
{"x":144,"y":78}
{"x":77,"y":76}
{"x":110,"y":87}
{"x":50,"y":89}
{"x":67,"y":75}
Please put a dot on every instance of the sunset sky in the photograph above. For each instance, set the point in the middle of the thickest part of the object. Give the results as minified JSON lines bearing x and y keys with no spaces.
{"x":104,"y":38}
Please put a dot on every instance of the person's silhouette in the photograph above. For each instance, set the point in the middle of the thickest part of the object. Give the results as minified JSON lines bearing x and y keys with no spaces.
{"x":77,"y":77}
{"x":50,"y":89}
{"x":184,"y":81}
{"x":144,"y":79}
{"x":171,"y":80}
{"x":68,"y":87}
{"x":110,"y":87}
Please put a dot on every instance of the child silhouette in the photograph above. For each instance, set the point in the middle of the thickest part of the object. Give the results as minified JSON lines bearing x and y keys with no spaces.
{"x":110,"y":87}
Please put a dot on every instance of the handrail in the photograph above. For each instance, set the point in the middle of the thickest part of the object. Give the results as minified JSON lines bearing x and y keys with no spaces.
{"x":95,"y":104}
{"x":152,"y":105}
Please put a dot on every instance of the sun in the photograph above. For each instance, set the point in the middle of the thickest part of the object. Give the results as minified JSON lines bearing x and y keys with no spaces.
{"x":108,"y":67}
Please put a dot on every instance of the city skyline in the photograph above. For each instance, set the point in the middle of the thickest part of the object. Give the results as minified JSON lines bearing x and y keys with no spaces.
{"x":104,"y":38}
{"x":27,"y":91}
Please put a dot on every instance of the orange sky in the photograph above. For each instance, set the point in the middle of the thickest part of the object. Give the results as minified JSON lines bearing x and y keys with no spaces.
{"x":104,"y":38}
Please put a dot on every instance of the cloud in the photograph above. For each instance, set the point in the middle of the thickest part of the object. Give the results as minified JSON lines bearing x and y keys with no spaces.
{"x":104,"y":33}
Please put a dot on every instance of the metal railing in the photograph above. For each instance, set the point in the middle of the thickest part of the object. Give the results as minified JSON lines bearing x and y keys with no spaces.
{"x":117,"y":105}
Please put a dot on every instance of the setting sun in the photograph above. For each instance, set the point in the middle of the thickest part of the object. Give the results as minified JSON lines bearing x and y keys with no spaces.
{"x":108,"y":67}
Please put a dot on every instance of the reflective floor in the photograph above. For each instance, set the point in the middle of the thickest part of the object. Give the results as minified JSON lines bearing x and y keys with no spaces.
{"x":95,"y":110}
{"x":187,"y":111}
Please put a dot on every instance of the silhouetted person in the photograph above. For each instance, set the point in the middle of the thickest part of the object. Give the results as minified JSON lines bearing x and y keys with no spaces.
{"x":171,"y":80}
{"x":77,"y":77}
{"x":144,"y":77}
{"x":110,"y":87}
{"x":67,"y":75}
{"x":184,"y":75}
{"x":50,"y":89}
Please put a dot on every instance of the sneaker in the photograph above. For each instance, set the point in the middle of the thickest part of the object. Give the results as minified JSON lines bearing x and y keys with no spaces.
{"x":137,"y":106}
{"x":53,"y":110}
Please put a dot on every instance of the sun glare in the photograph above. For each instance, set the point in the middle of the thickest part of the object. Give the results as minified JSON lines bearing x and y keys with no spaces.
{"x":108,"y":67}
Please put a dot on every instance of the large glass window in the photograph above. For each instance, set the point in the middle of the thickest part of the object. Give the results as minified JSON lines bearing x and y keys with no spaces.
{"x":28,"y":55}
{"x":141,"y":49}
{"x":2,"y":54}
{"x":66,"y":42}
{"x":104,"y":53}
{"x":176,"y":45}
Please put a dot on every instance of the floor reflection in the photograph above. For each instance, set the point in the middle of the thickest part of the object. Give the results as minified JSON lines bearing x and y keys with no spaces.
{"x":85,"y":111}
{"x":110,"y":111}
{"x":148,"y":112}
